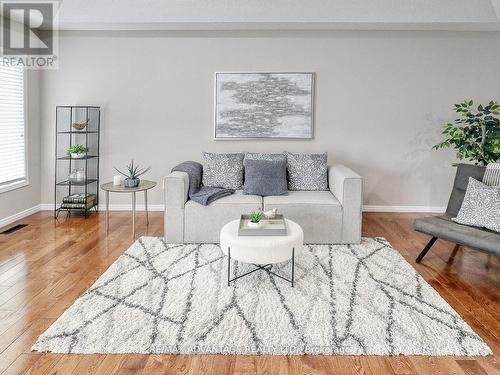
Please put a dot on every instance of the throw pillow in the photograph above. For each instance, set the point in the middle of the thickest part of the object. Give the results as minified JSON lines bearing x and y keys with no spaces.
{"x":223,"y":170}
{"x":263,"y":156}
{"x":492,"y":175}
{"x":480,"y":207}
{"x":265,"y":177}
{"x":307,"y":171}
{"x":492,"y":220}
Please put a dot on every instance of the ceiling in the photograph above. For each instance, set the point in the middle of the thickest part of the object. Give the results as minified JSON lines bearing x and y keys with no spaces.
{"x":480,"y":15}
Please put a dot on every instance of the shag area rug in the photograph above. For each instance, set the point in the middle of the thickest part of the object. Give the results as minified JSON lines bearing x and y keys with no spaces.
{"x":348,"y":299}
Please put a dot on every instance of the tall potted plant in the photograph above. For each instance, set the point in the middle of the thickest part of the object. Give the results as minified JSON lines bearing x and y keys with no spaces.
{"x":475,"y":134}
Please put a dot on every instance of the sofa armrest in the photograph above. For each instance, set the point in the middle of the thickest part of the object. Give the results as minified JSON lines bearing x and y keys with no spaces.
{"x":175,"y":190}
{"x":347,"y":187}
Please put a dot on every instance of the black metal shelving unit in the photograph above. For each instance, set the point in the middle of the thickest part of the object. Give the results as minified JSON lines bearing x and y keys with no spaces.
{"x":66,"y":136}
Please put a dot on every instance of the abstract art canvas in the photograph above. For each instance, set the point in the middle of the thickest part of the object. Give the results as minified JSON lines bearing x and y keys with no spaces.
{"x":263,"y":105}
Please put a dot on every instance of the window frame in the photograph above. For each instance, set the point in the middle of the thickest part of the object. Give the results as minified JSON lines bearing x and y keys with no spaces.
{"x":20,"y":184}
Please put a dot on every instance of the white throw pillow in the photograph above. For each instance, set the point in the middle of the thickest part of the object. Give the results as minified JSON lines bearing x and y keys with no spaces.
{"x":480,"y":207}
{"x":307,"y":171}
{"x":223,"y":170}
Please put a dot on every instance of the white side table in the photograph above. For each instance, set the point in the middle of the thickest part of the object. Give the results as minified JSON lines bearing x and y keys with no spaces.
{"x":261,"y":251}
{"x":144,"y":185}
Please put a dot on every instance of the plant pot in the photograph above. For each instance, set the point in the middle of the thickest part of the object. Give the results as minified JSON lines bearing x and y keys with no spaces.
{"x":254,"y":225}
{"x":79,"y":155}
{"x":131,"y":182}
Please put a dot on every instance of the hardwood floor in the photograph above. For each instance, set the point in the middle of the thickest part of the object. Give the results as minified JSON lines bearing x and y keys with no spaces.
{"x":45,"y":266}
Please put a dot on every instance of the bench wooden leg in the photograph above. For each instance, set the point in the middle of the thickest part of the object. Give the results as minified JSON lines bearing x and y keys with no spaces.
{"x":426,"y":249}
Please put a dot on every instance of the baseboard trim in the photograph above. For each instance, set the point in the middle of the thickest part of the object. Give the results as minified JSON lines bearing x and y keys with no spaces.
{"x":114,"y":207}
{"x":366,"y":208}
{"x":20,"y":215}
{"x":401,"y":209}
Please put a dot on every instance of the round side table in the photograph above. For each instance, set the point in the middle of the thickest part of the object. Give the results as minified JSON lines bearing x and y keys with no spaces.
{"x":261,"y":251}
{"x":144,"y":185}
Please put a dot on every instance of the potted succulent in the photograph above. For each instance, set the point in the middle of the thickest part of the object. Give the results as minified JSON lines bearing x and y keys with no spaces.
{"x":132,"y":175}
{"x":255,"y":219}
{"x":77,"y":151}
{"x":475,"y":134}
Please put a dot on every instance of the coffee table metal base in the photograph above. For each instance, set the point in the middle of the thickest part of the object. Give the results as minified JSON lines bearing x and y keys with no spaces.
{"x":266,"y":267}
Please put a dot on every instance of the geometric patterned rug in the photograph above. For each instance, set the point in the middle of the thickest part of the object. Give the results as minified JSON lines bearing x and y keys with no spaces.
{"x":348,"y":300}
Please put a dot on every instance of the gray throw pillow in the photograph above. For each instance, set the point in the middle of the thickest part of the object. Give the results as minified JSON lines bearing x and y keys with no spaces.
{"x":307,"y":171}
{"x":265,"y":177}
{"x":480,"y":207}
{"x":223,"y":170}
{"x":263,"y":156}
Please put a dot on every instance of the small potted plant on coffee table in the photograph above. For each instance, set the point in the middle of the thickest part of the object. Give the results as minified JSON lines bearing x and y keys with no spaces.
{"x":132,"y":174}
{"x":77,"y":151}
{"x":255,"y":219}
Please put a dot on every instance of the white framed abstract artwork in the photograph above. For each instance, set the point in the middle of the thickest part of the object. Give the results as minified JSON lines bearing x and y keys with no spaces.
{"x":263,"y":105}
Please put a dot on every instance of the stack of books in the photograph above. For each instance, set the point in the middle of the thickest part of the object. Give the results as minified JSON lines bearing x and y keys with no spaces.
{"x":82,"y":201}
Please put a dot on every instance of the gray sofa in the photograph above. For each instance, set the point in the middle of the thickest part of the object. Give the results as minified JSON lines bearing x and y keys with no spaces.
{"x":443,"y":227}
{"x":326,"y":217}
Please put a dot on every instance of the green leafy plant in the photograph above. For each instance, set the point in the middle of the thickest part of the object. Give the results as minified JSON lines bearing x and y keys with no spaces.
{"x":256,"y":216}
{"x":77,"y":149}
{"x":475,"y":134}
{"x":133,"y":171}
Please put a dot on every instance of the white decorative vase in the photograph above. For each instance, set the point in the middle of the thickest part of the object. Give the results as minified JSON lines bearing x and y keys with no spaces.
{"x":80,"y":155}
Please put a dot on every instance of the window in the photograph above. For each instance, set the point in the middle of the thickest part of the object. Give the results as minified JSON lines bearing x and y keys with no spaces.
{"x":13,"y":167}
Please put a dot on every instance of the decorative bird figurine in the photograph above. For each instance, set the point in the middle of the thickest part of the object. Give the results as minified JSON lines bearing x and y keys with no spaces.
{"x":81,"y":125}
{"x":271,"y":214}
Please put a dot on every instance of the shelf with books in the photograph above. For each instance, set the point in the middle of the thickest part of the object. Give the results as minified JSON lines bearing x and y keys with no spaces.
{"x":79,"y":202}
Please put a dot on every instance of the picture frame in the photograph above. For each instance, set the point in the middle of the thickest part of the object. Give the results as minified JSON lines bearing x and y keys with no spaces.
{"x":263,"y":105}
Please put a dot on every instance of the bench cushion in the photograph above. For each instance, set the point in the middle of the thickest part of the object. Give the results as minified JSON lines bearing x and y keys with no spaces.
{"x":477,"y":238}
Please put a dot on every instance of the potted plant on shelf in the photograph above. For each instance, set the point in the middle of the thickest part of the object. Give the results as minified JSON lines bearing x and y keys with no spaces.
{"x":475,"y":134}
{"x":132,"y":175}
{"x":255,"y":219}
{"x":77,"y":151}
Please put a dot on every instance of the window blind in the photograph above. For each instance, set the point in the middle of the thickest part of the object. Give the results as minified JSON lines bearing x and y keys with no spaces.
{"x":12,"y":126}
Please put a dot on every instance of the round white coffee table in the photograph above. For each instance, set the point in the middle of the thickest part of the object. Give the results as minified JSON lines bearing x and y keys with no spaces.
{"x":261,"y":251}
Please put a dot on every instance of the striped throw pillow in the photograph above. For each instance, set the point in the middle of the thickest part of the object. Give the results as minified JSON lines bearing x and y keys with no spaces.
{"x":492,"y":175}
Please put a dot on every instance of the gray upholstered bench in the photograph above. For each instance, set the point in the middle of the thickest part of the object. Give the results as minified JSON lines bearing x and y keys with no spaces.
{"x":443,"y":227}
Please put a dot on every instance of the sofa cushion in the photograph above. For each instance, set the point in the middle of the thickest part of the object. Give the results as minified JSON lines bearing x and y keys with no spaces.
{"x":265,"y":177}
{"x":223,"y":170}
{"x":307,"y":171}
{"x":443,"y":227}
{"x":304,"y":198}
{"x":203,"y":223}
{"x":319,"y":214}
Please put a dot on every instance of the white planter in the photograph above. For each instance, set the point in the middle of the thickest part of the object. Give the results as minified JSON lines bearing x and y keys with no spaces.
{"x":254,"y":225}
{"x":78,"y":156}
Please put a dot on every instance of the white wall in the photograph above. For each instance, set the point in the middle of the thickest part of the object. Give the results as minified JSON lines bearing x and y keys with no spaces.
{"x":380,"y":99}
{"x":27,"y":198}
